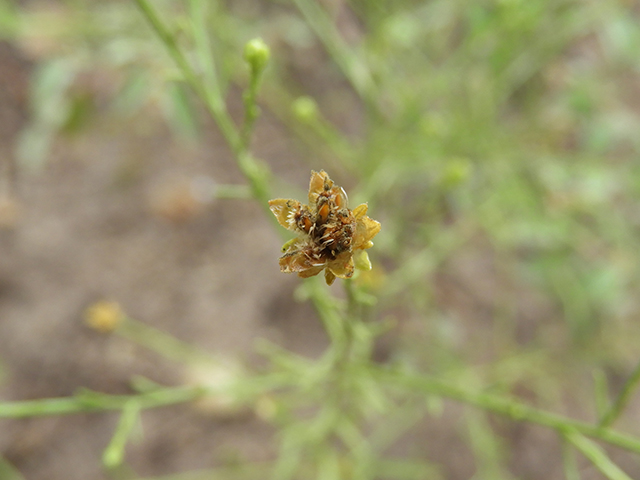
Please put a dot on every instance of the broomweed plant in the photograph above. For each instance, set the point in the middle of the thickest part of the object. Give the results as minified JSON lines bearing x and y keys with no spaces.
{"x":354,"y":408}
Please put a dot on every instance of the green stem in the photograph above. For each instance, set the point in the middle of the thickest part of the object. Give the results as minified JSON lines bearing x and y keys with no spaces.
{"x":354,"y":69}
{"x":95,"y":402}
{"x":569,"y":463}
{"x":114,"y":453}
{"x":327,"y":309}
{"x":257,"y":174}
{"x":251,"y":109}
{"x":623,"y":399}
{"x":209,"y":93}
{"x":198,"y":16}
{"x":597,"y":456}
{"x":515,"y":410}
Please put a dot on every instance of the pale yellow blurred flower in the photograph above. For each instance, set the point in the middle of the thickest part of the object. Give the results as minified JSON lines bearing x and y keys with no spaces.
{"x":104,"y":316}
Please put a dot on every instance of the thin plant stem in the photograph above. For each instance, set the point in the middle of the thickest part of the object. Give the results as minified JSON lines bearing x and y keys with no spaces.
{"x":353,"y":68}
{"x":114,"y":453}
{"x":512,"y":409}
{"x":601,"y":394}
{"x":256,"y":173}
{"x":251,"y":109}
{"x":329,"y":314}
{"x":210,"y":95}
{"x":198,"y":13}
{"x":597,"y":456}
{"x":569,"y":463}
{"x":623,"y":398}
{"x":88,"y":401}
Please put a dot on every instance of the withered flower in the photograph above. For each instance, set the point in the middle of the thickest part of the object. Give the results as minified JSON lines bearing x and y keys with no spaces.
{"x":328,"y":232}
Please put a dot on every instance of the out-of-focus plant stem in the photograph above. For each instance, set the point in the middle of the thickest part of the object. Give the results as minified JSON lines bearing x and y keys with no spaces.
{"x":597,"y":456}
{"x":256,"y":173}
{"x":88,"y":401}
{"x":513,"y":409}
{"x":352,"y":66}
{"x":623,"y":399}
{"x":209,"y":92}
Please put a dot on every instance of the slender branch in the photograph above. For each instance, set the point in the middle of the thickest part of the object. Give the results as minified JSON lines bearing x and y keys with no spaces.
{"x":504,"y":406}
{"x":597,"y":456}
{"x":569,"y":462}
{"x":198,"y":15}
{"x":114,"y":453}
{"x":88,"y":401}
{"x":209,"y":94}
{"x":256,"y":173}
{"x":354,"y":69}
{"x":622,"y":400}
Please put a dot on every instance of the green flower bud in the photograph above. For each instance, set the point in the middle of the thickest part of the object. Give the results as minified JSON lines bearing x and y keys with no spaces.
{"x":257,"y":54}
{"x":305,"y":109}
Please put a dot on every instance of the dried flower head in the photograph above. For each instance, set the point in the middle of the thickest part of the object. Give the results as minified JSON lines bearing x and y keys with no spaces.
{"x":328,"y":232}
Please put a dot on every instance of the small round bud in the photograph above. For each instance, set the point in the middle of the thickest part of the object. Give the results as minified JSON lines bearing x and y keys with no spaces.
{"x":305,"y":108}
{"x":104,"y":316}
{"x":257,"y":54}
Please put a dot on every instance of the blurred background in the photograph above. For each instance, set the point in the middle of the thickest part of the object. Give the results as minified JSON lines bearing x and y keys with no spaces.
{"x":496,"y":141}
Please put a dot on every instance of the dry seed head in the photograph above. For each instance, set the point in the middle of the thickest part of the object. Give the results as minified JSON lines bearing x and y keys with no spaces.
{"x":328,"y":232}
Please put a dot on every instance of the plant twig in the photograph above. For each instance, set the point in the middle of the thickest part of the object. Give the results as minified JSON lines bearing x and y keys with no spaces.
{"x":597,"y":456}
{"x":505,"y":406}
{"x":209,"y":93}
{"x":353,"y":68}
{"x":256,"y":173}
{"x":88,"y":401}
{"x":622,"y":400}
{"x":114,"y":453}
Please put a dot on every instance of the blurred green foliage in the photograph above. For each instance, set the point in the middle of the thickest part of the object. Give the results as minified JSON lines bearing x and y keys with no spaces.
{"x":497,"y":142}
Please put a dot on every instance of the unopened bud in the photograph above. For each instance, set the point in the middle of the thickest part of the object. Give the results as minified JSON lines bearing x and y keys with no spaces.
{"x":104,"y":316}
{"x":257,"y":54}
{"x":305,"y":109}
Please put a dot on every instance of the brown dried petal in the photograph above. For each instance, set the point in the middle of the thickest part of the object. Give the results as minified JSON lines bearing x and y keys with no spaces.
{"x":342,"y":266}
{"x":285,"y":209}
{"x":329,"y":277}
{"x":317,"y":186}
